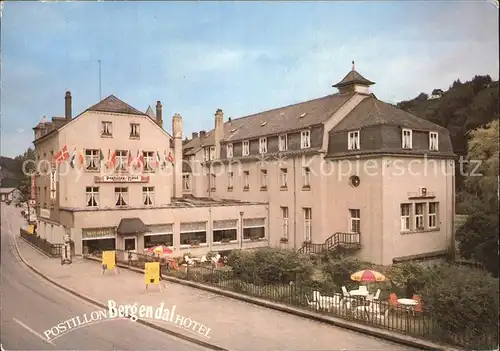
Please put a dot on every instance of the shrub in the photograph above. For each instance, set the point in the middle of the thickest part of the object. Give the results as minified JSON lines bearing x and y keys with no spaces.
{"x":271,"y":266}
{"x":479,"y":240}
{"x":407,"y":278}
{"x":463,"y":304}
{"x":338,"y":271}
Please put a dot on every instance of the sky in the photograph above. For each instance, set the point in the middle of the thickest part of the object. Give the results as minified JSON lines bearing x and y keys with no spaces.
{"x":242,"y":57}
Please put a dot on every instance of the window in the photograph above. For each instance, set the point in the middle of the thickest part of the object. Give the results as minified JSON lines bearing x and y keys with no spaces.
{"x":134,"y":130}
{"x":229,"y":150}
{"x":148,"y":193}
{"x":406,"y":139}
{"x":212,"y":182}
{"x":230,"y":181}
{"x":121,"y":196}
{"x":107,"y":129}
{"x":254,"y":228}
{"x":121,"y":160}
{"x":225,"y":231}
{"x":186,"y":182}
{"x":149,"y":157}
{"x":284,"y":178}
{"x":433,"y":141}
{"x":246,"y":180}
{"x":305,"y":139}
{"x":284,"y":216}
{"x":283,"y":142}
{"x":263,"y":145}
{"x":306,"y":177}
{"x":130,"y":244}
{"x":419,"y":216}
{"x":355,"y":225}
{"x":212,"y":153}
{"x":91,"y":196}
{"x":92,"y":160}
{"x":246,"y":148}
{"x":307,"y":223}
{"x":158,"y":239}
{"x":206,"y":154}
{"x":433,"y":214}
{"x":263,"y":179}
{"x":405,"y":217}
{"x":194,"y":233}
{"x":353,"y":140}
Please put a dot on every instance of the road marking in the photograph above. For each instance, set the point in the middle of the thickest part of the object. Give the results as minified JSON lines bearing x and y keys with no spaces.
{"x":32,"y":331}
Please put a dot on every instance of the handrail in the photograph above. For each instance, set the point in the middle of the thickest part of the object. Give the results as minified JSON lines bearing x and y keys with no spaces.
{"x":331,"y":243}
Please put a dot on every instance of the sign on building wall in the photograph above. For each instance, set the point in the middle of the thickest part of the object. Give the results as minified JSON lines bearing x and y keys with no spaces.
{"x":53,"y":183}
{"x":45,"y":213}
{"x":122,"y":179}
{"x":98,"y":233}
{"x":33,"y":187}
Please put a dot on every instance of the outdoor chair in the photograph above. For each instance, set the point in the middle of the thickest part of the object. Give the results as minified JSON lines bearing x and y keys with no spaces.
{"x":312,"y":303}
{"x":203,"y":259}
{"x":393,"y":300}
{"x":377,"y":294}
{"x":382,"y":316}
{"x":316,"y":295}
{"x":418,"y":308}
{"x":345,"y":292}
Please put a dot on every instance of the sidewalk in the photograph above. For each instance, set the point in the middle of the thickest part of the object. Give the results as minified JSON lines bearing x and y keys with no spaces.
{"x":234,"y":325}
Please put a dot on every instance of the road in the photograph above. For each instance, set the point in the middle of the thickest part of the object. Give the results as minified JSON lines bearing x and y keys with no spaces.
{"x":31,"y":305}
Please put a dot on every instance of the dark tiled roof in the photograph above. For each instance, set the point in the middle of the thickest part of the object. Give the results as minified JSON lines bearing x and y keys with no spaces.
{"x":372,"y":111}
{"x":113,"y":104}
{"x":353,"y":77}
{"x":280,"y":120}
{"x":132,"y":226}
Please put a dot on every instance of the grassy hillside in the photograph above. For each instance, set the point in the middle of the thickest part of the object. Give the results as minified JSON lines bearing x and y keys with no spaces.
{"x":10,"y":172}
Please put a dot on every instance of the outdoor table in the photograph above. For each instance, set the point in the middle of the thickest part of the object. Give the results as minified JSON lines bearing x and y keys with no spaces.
{"x":361,"y":293}
{"x":410,"y":304}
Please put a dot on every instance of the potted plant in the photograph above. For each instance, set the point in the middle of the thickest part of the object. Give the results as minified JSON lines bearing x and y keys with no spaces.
{"x":283,"y":240}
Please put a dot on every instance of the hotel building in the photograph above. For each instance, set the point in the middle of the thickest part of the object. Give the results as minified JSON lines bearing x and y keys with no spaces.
{"x":111,"y":178}
{"x":345,"y":169}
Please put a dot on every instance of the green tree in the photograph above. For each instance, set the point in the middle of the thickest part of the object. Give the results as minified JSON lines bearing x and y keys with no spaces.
{"x":478,"y":240}
{"x":483,"y":182}
{"x":27,"y":163}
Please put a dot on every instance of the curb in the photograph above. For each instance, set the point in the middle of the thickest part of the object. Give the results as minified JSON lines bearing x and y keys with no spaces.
{"x":366,"y":330}
{"x":101,"y":305}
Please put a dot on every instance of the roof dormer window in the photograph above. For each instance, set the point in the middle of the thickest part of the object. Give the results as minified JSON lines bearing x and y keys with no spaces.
{"x":433,"y":141}
{"x":263,"y":145}
{"x":305,"y":139}
{"x":406,"y":139}
{"x":353,"y":140}
{"x":246,"y":148}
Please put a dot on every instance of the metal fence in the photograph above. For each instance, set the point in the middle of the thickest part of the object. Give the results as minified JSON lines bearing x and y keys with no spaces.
{"x":381,"y":314}
{"x":53,"y":250}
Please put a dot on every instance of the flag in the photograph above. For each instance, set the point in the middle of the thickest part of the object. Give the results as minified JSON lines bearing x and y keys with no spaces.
{"x":62,"y":155}
{"x":141,"y":160}
{"x":130,"y":158}
{"x":164,"y":163}
{"x":81,"y":158}
{"x":73,"y":157}
{"x":170,"y":158}
{"x":158,"y":158}
{"x":112,"y":162}
{"x":101,"y":156}
{"x":136,"y":161}
{"x":108,"y":159}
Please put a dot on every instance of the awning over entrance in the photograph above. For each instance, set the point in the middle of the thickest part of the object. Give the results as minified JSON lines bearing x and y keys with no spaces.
{"x":132,"y":226}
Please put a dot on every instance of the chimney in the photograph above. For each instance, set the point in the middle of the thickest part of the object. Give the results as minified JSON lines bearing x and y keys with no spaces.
{"x":218,"y":132}
{"x":67,"y":105}
{"x":177,"y":134}
{"x":195,"y":135}
{"x":229,"y":119}
{"x":159,"y":111}
{"x":202,"y":133}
